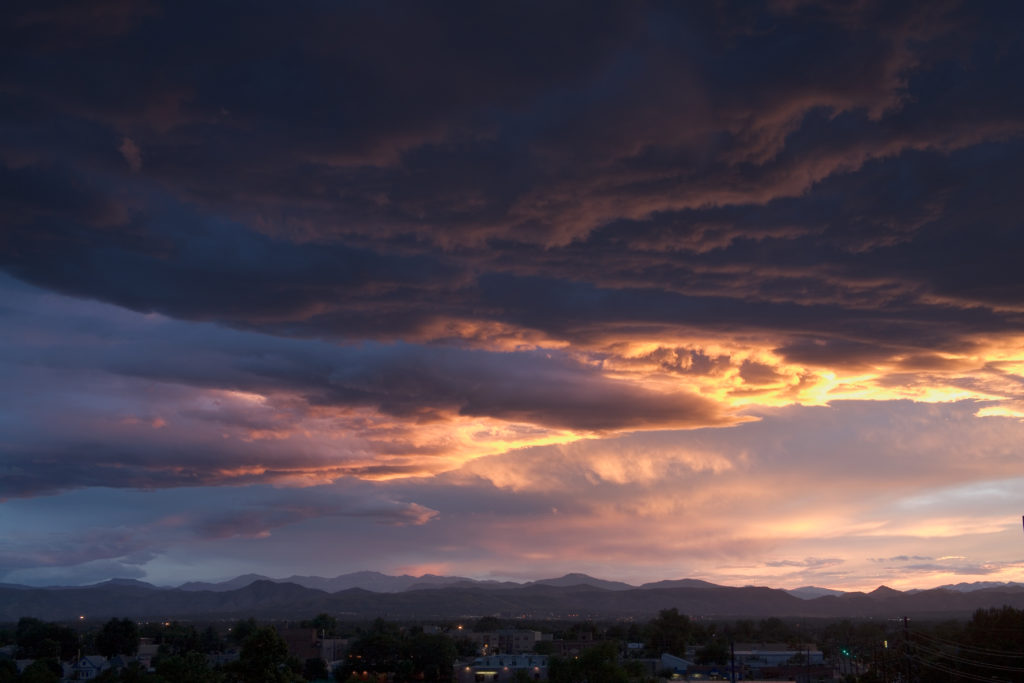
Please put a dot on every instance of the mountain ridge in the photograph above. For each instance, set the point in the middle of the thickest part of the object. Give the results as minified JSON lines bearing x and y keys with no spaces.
{"x":569,"y":597}
{"x":379,"y":582}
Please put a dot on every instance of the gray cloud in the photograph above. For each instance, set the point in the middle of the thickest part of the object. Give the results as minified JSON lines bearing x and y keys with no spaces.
{"x":297,"y":242}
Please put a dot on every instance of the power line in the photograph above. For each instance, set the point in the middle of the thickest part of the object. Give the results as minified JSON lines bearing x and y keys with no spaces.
{"x":971,"y":662}
{"x":952,"y":672}
{"x":971,"y":648}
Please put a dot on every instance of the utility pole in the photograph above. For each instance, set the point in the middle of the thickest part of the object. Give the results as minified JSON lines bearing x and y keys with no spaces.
{"x":732,"y":652}
{"x":906,"y":644}
{"x":885,"y":656}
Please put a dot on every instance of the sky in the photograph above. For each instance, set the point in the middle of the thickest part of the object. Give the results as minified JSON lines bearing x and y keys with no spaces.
{"x":647,"y":290}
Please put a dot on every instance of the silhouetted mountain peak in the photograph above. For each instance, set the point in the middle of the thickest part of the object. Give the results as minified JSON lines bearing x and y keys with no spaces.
{"x":268,"y":598}
{"x":811,"y":592}
{"x":577,"y":579}
{"x":126,"y":583}
{"x":982,"y":585}
{"x":680,"y":583}
{"x":229,"y":585}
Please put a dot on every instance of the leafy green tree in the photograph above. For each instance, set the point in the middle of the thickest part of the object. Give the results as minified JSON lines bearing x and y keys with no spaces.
{"x":39,"y":639}
{"x":774,"y":630}
{"x":597,"y":664}
{"x":600,"y":664}
{"x":118,"y":637}
{"x":523,"y":676}
{"x":210,"y":641}
{"x":385,"y":649}
{"x":41,"y":671}
{"x":191,"y":667}
{"x":485,"y":624}
{"x":464,"y":648}
{"x":432,"y":656}
{"x":8,"y":671}
{"x":324,"y":623}
{"x":242,"y":629}
{"x":177,"y":639}
{"x":564,"y":670}
{"x":343,"y":674}
{"x":315,"y":669}
{"x":264,"y":659}
{"x":715,"y":651}
{"x":669,"y":632}
{"x":375,"y":650}
{"x":635,"y":670}
{"x":137,"y":673}
{"x":743,"y":630}
{"x":108,"y":676}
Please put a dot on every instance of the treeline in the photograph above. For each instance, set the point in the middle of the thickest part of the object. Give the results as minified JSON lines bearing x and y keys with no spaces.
{"x":989,"y":646}
{"x":182,"y":657}
{"x":403,"y":654}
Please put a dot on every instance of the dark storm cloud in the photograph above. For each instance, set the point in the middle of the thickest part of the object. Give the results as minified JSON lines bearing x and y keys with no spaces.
{"x":545,"y":388}
{"x":261,"y":520}
{"x":358,"y":171}
{"x":110,"y":540}
{"x":399,"y":241}
{"x":68,"y":235}
{"x":91,"y":545}
{"x":144,"y":425}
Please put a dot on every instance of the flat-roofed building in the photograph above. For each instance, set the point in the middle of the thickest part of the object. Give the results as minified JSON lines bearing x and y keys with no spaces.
{"x":503,"y":668}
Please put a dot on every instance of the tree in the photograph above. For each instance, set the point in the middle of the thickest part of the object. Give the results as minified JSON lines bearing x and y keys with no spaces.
{"x":38,"y":639}
{"x":484,"y":624}
{"x":315,"y":669}
{"x":210,"y":641}
{"x":191,"y":667}
{"x":563,"y":670}
{"x":264,"y":658}
{"x":669,"y":632}
{"x":242,"y":629}
{"x":715,"y":651}
{"x":600,"y":664}
{"x":597,"y":664}
{"x":8,"y":671}
{"x":635,"y":670}
{"x":324,"y":623}
{"x":375,"y":650}
{"x":384,"y":649}
{"x":177,"y":639}
{"x":41,"y":671}
{"x":137,"y":673}
{"x":118,"y":637}
{"x":431,"y":656}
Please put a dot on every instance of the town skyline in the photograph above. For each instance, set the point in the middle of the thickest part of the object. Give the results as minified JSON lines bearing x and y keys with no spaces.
{"x":725,"y":291}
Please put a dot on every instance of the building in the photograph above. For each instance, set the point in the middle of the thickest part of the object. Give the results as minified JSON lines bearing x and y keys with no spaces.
{"x":503,"y":668}
{"x":87,"y":668}
{"x":505,"y":641}
{"x":772,"y":661}
{"x":759,"y":656}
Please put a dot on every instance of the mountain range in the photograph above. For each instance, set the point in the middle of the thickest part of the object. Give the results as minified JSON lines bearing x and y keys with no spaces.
{"x":365,"y":595}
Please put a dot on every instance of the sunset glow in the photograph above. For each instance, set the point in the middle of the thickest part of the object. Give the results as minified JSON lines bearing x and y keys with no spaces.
{"x":642,"y":291}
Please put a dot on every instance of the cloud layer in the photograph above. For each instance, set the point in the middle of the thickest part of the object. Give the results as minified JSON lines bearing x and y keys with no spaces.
{"x":550,"y":272}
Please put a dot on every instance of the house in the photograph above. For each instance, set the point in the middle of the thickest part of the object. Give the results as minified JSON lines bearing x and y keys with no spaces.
{"x":89,"y":667}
